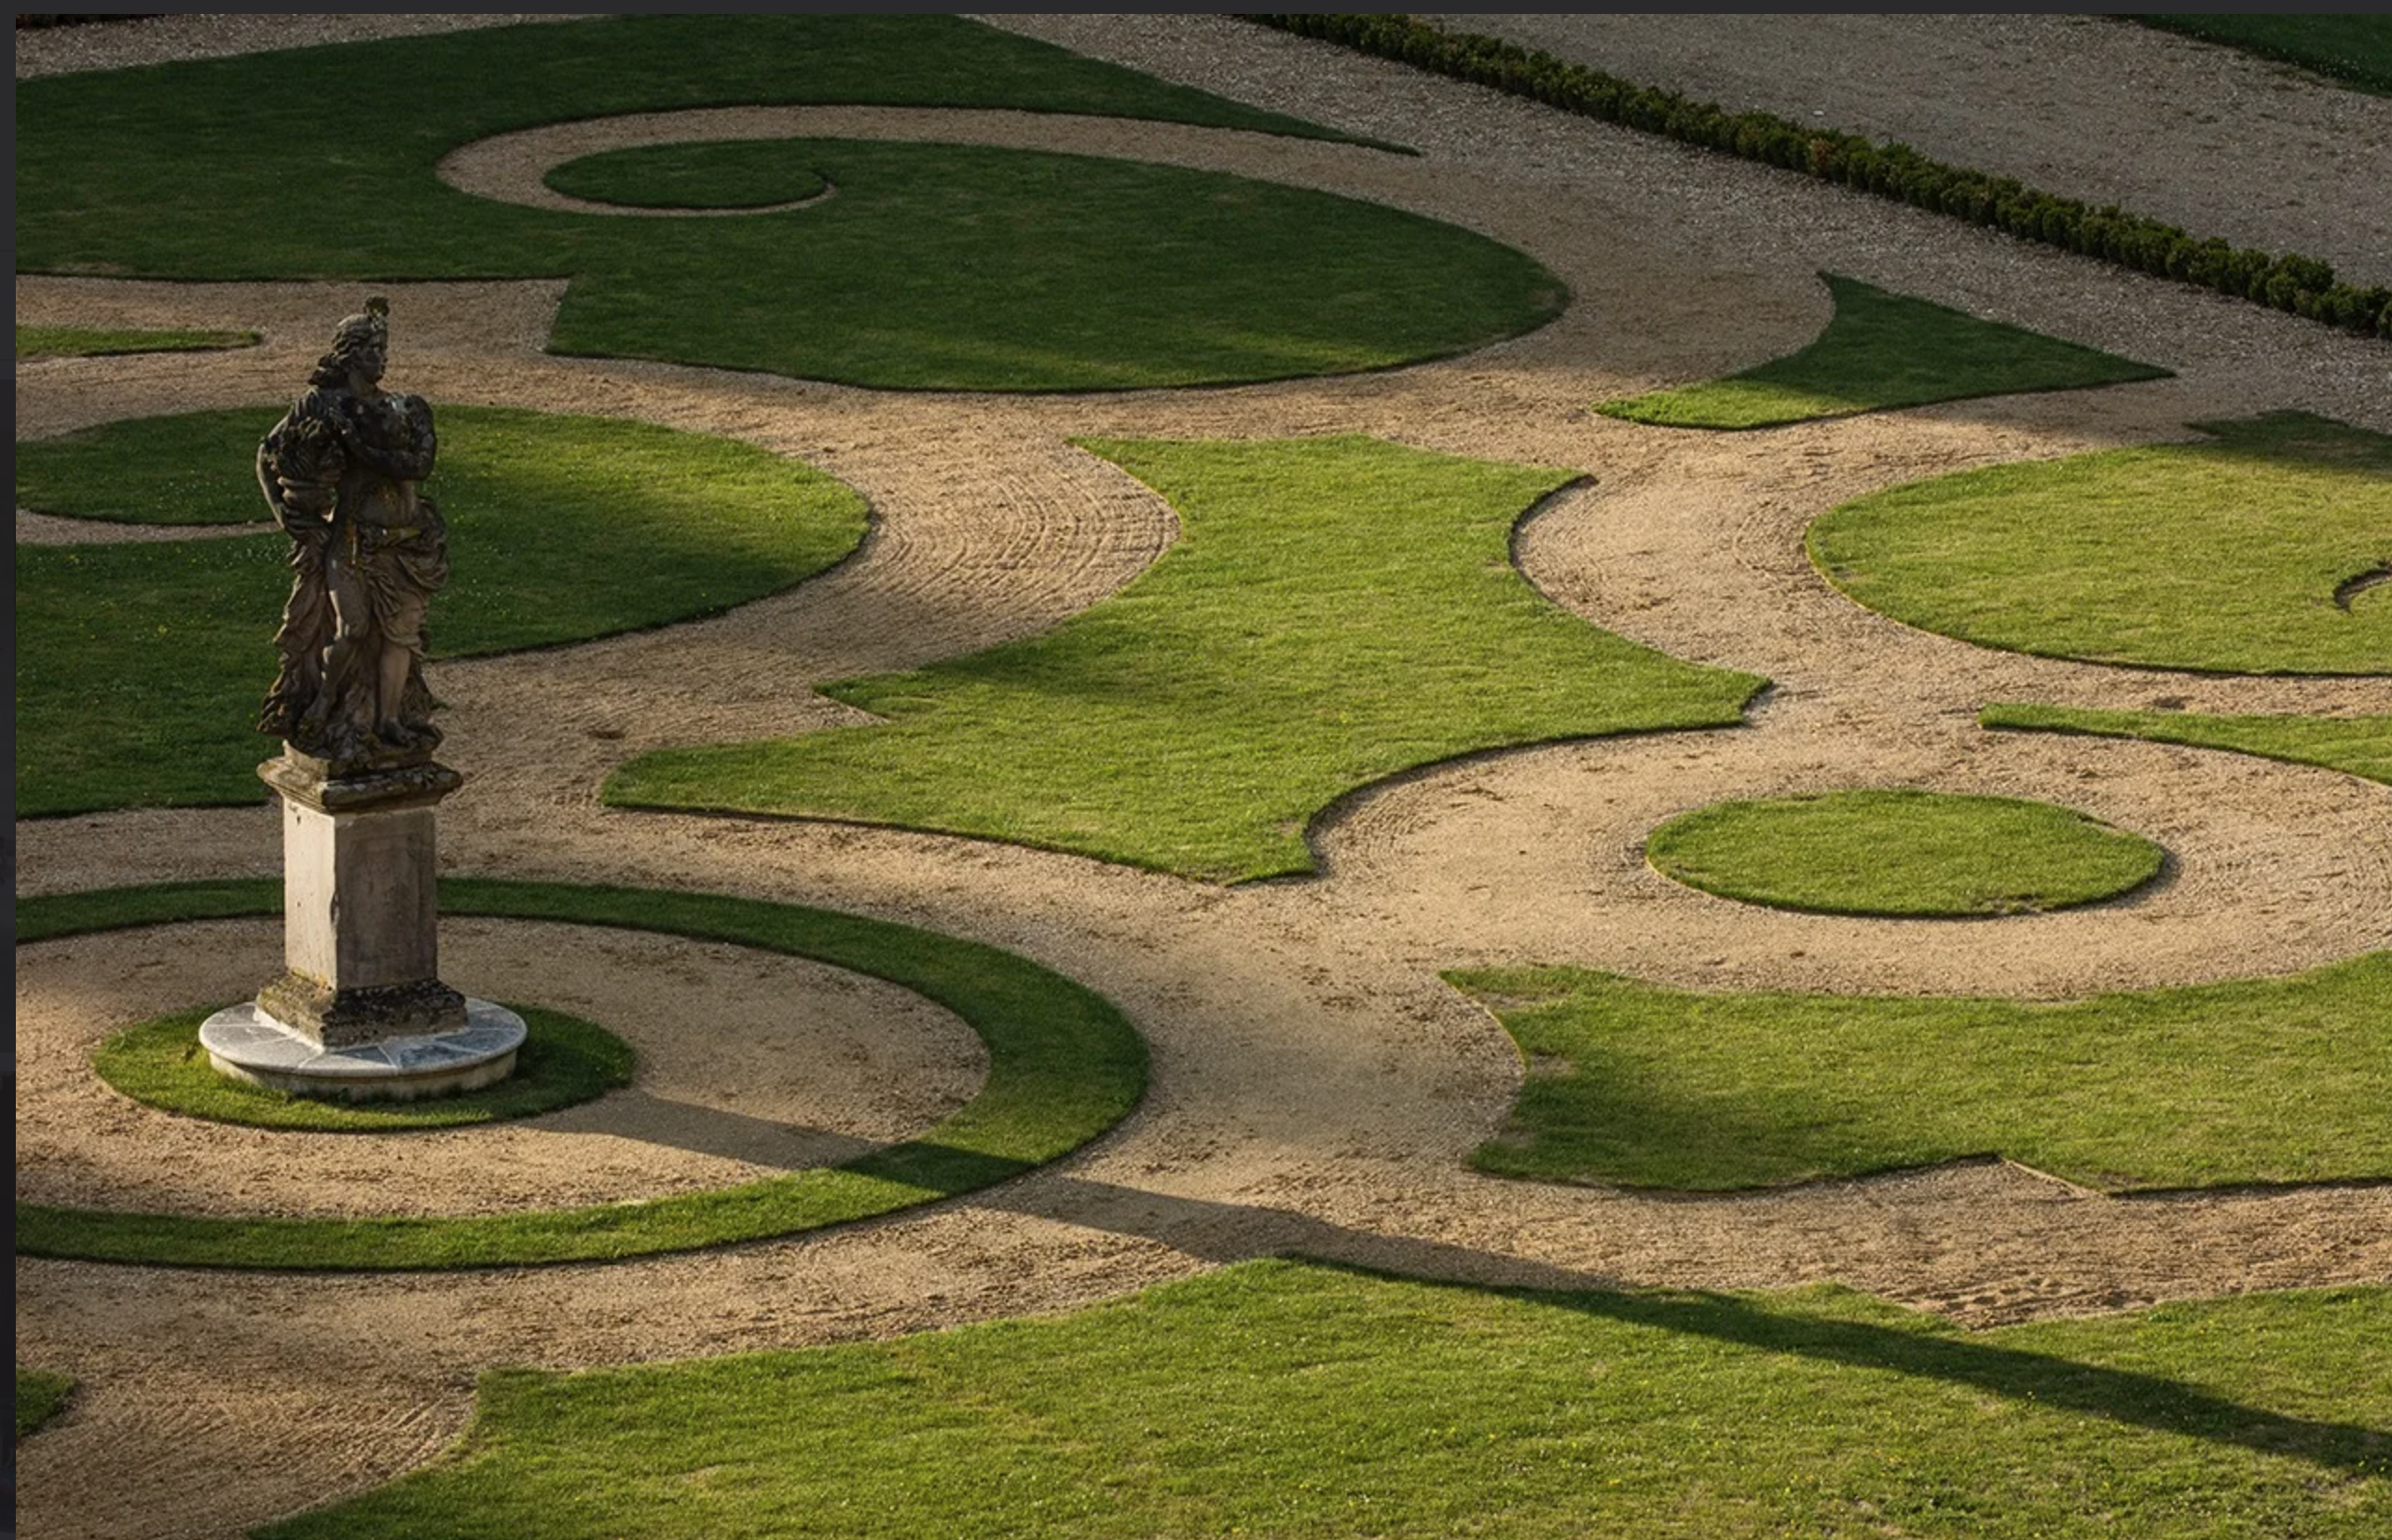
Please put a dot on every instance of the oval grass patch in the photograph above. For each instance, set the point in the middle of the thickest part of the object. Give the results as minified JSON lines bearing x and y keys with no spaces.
{"x":2224,"y":557}
{"x":1895,"y":852}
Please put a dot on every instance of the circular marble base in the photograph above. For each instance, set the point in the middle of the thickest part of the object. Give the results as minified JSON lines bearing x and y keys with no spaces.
{"x":246,"y":1043}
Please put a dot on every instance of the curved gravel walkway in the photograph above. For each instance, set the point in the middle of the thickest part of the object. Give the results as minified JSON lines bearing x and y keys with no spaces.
{"x":1316,"y":1087}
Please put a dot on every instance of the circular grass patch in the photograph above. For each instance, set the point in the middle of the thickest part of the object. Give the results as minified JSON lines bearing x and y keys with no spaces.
{"x":2224,"y":556}
{"x":1064,"y":1067}
{"x":749,"y":174}
{"x":564,"y":1060}
{"x":1901,"y":853}
{"x":140,"y":667}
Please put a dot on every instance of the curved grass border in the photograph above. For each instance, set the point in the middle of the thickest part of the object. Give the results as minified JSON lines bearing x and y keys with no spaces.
{"x":564,"y":1062}
{"x":1064,"y":1067}
{"x":2356,"y":746}
{"x":2305,"y":286}
{"x":1901,"y":853}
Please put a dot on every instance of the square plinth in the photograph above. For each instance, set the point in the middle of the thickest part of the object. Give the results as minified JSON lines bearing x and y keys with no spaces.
{"x":361,"y":921}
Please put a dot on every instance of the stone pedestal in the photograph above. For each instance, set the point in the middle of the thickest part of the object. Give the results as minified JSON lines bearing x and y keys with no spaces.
{"x":359,"y":1012}
{"x":361,"y":923}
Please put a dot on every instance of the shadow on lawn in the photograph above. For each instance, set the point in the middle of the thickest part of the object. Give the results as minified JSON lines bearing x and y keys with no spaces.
{"x":1931,"y":1349}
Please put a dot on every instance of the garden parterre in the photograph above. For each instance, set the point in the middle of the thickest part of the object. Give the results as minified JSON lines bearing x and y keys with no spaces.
{"x":1326,"y":1089}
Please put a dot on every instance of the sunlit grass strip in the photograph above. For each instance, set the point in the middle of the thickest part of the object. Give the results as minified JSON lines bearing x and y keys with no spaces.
{"x":563,"y":1061}
{"x":1636,"y":1084}
{"x":40,"y":1396}
{"x":1337,"y":610}
{"x":97,"y":342}
{"x":140,"y":667}
{"x":2224,"y":556}
{"x":1306,"y":1402}
{"x":1882,"y":351}
{"x":2357,"y":746}
{"x":1064,"y":1067}
{"x":1901,"y":852}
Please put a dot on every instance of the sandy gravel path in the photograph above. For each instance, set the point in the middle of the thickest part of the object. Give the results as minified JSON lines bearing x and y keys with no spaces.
{"x":1316,"y":1087}
{"x":2086,"y":106}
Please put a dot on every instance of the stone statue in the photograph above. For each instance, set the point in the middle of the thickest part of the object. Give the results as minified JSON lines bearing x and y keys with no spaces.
{"x":367,"y":553}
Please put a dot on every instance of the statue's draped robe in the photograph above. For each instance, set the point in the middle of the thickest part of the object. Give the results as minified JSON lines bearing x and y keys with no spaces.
{"x":367,"y":553}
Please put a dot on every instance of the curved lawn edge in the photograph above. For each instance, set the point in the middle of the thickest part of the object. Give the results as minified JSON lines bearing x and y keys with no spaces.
{"x":1064,"y":1066}
{"x":563,"y":1062}
{"x":1739,"y":851}
{"x":2356,"y":746}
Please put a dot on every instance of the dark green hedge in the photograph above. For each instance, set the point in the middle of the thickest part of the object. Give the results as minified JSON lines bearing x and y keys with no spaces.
{"x":2301,"y":284}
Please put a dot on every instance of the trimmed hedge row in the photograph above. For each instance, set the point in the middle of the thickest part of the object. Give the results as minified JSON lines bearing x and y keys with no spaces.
{"x":2302,"y":285}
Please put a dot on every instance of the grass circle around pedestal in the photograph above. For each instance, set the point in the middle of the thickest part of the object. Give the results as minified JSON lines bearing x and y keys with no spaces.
{"x":564,"y":1061}
{"x":1900,"y":852}
{"x":1064,"y":1067}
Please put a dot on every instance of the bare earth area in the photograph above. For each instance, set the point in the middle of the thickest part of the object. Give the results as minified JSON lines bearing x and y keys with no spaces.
{"x":1316,"y":1087}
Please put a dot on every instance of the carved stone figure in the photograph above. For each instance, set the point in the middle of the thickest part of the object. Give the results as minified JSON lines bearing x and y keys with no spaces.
{"x":367,"y":553}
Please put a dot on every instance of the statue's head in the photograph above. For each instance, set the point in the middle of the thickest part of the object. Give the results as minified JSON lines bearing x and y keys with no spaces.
{"x":360,"y":346}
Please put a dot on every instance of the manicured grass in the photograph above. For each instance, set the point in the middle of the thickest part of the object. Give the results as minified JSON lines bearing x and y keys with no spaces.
{"x":1062,"y":1067}
{"x":39,"y":1397}
{"x":1883,"y":350}
{"x":563,"y":1061}
{"x":737,"y":175}
{"x":2352,"y":49}
{"x":1298,"y":1400}
{"x":1338,"y":609}
{"x":1634,"y":1084}
{"x":937,"y":266}
{"x":2222,"y":556}
{"x":140,"y":667}
{"x":1893,"y":851}
{"x":2360,"y":746}
{"x":92,"y":342}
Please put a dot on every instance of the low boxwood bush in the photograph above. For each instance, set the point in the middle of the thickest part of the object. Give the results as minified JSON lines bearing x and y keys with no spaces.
{"x":2301,"y":285}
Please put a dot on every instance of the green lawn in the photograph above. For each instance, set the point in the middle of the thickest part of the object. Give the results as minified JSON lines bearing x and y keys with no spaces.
{"x":2359,"y":745}
{"x":1635,"y":1084}
{"x":39,"y":1397}
{"x":140,"y":667}
{"x":1883,"y":350}
{"x":2225,"y":555}
{"x":1297,"y":1400}
{"x":1338,"y":609}
{"x":92,"y":342}
{"x":1901,"y":852}
{"x":937,"y":266}
{"x":738,"y":174}
{"x":1064,"y":1067}
{"x":564,"y":1060}
{"x":2349,"y":47}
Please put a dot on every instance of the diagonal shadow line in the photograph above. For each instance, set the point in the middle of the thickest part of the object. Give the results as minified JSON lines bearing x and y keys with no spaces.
{"x":1234,"y":1233}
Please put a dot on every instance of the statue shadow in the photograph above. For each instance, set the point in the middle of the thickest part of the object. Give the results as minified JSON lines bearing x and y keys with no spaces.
{"x":1225,"y":1233}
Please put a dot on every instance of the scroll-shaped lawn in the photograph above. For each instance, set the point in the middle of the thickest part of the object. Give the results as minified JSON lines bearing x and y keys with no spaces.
{"x":2236,"y":555}
{"x":1639,"y":1085}
{"x":1338,"y":609}
{"x":1063,"y":1066}
{"x":1901,"y":852}
{"x":2357,"y":746}
{"x":936,"y":266}
{"x":1881,"y":351}
{"x":140,"y":667}
{"x":1305,"y":1401}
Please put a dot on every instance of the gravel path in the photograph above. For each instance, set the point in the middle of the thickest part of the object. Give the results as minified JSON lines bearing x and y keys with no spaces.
{"x":1316,"y":1087}
{"x":2085,"y":106}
